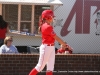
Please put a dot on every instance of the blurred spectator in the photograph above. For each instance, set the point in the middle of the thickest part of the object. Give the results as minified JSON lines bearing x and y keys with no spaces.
{"x":3,"y":30}
{"x":65,"y":51}
{"x":8,"y":47}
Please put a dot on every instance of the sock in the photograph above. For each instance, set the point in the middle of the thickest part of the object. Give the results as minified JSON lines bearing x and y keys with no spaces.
{"x":33,"y":72}
{"x":49,"y":73}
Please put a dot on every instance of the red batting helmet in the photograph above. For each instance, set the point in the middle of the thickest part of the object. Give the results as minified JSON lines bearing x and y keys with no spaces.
{"x":47,"y":14}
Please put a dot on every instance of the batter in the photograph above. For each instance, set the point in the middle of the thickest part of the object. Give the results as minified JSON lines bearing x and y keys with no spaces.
{"x":47,"y":48}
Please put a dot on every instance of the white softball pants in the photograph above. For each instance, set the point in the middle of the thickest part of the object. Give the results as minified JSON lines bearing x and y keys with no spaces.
{"x":47,"y":57}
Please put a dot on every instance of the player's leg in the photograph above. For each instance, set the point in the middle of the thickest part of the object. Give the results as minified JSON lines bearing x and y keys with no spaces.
{"x":33,"y":72}
{"x":51,"y":62}
{"x":41,"y":62}
{"x":49,"y":73}
{"x":45,"y":52}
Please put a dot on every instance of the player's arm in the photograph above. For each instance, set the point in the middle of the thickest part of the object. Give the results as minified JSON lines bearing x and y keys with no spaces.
{"x":63,"y":44}
{"x":53,"y":34}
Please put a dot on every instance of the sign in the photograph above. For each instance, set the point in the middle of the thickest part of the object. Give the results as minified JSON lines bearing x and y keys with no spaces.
{"x":82,"y":9}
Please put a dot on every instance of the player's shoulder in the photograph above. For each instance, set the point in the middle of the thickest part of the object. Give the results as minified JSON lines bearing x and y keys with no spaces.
{"x":46,"y":27}
{"x":49,"y":27}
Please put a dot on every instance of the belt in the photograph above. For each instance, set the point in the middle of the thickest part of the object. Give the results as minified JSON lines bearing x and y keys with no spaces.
{"x":50,"y":44}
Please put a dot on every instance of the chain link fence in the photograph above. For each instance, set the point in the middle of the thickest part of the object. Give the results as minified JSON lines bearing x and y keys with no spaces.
{"x":77,"y":22}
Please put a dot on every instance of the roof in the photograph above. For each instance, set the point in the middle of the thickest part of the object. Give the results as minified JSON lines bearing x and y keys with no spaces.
{"x":32,"y":2}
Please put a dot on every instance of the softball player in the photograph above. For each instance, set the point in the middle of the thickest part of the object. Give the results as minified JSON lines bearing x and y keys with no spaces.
{"x":47,"y":48}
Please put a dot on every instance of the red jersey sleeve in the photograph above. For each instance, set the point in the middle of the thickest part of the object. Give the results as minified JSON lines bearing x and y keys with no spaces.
{"x":50,"y":31}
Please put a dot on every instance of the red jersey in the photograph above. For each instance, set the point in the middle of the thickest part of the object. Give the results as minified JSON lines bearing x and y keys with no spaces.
{"x":3,"y":33}
{"x":47,"y":34}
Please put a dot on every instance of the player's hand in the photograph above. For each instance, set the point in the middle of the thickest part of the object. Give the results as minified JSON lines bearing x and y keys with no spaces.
{"x":69,"y":47}
{"x":63,"y":46}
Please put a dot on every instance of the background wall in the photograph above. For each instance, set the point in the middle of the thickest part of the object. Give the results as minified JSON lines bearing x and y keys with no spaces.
{"x":77,"y":17}
{"x":74,"y":64}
